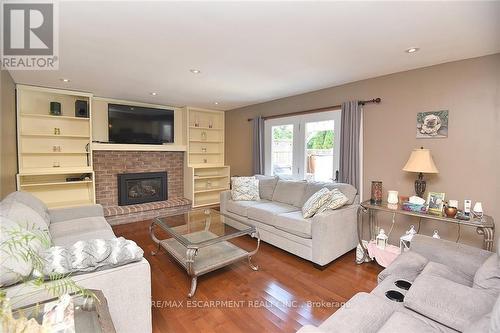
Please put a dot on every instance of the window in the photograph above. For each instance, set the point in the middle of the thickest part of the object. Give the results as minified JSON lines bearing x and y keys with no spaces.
{"x":304,"y":147}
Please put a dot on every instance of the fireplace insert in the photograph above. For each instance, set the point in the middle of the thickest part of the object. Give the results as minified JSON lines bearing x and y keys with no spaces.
{"x":137,"y":188}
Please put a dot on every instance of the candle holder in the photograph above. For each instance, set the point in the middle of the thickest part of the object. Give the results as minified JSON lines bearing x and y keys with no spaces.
{"x":376,"y":193}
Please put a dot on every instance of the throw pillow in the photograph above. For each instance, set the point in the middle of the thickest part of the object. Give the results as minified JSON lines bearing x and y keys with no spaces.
{"x":245,"y":189}
{"x":87,"y":256}
{"x":315,"y":202}
{"x":336,"y":200}
{"x":488,"y":275}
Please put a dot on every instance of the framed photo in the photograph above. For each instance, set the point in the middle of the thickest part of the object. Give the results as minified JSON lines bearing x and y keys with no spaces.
{"x":435,"y":202}
{"x":432,"y":124}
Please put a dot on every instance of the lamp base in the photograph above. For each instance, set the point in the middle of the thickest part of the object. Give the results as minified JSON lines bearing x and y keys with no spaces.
{"x":420,"y":185}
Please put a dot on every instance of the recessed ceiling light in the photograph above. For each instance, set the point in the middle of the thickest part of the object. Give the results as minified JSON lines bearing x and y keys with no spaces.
{"x":153,"y":93}
{"x":64,"y":80}
{"x":412,"y":50}
{"x":216,"y":103}
{"x":195,"y":71}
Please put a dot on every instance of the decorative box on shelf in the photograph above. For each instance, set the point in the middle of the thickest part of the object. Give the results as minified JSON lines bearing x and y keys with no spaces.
{"x":411,"y":207}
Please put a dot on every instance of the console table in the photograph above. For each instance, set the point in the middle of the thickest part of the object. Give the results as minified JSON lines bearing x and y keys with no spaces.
{"x":485,"y":226}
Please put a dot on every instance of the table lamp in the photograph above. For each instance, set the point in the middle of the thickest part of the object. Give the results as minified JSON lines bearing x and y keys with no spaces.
{"x":420,"y":161}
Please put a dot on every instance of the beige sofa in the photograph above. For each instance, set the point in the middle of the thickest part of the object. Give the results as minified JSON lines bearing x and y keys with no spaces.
{"x":278,"y":218}
{"x":127,"y":288}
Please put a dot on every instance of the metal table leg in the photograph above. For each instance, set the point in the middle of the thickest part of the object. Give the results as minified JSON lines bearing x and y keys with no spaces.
{"x":250,"y":254}
{"x":190,"y":255}
{"x":365,"y":257}
{"x":488,"y":235}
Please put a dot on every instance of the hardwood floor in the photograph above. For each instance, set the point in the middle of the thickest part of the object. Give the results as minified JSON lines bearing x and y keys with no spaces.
{"x":286,"y":293}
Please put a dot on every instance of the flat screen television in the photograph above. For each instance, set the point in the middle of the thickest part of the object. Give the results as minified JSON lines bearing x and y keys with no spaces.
{"x":136,"y":124}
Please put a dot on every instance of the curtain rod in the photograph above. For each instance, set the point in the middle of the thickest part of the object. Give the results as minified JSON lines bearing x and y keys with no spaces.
{"x":324,"y":109}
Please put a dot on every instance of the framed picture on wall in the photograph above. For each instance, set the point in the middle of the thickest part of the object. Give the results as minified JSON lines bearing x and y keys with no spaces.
{"x":435,"y":202}
{"x":433,"y":124}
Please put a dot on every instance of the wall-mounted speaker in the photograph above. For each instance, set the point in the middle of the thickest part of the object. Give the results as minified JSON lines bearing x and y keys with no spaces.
{"x":55,"y":108}
{"x":81,"y":109}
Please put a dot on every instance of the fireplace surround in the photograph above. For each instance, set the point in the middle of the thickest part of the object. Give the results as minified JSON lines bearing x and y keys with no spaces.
{"x":142,"y":187}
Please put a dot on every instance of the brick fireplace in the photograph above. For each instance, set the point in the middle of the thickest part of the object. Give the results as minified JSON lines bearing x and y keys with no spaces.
{"x":109,"y":164}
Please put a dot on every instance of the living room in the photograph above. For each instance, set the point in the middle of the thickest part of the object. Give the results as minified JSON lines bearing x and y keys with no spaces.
{"x":250,"y":166}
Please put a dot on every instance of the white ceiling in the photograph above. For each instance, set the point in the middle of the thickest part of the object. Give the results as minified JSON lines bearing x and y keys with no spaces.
{"x":251,"y":52}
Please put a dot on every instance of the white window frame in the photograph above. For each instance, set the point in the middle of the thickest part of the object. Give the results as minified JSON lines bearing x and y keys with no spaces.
{"x":299,"y":125}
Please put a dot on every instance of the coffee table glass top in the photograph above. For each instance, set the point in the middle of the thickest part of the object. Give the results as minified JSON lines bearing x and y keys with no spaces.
{"x":203,"y":227}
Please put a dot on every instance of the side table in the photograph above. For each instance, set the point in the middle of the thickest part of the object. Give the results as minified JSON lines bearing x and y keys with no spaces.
{"x":485,"y":225}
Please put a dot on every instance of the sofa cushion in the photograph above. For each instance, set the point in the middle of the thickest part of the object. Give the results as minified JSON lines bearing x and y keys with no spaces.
{"x":66,"y":233}
{"x":315,"y":202}
{"x":267,"y":184}
{"x":265,"y":212}
{"x":406,"y":266}
{"x":363,"y":313}
{"x":447,"y":272}
{"x":31,"y":201}
{"x":293,"y":223}
{"x":488,"y":275}
{"x":313,"y":187}
{"x":244,"y":188}
{"x":23,"y":215}
{"x":18,"y":250}
{"x":290,"y":192}
{"x":402,"y":322}
{"x":241,"y":207}
{"x":447,"y":302}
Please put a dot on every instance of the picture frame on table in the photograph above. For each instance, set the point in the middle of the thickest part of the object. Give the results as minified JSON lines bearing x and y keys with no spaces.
{"x":435,"y":202}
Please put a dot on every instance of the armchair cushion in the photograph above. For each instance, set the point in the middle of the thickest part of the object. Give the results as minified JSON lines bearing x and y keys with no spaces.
{"x":488,"y":275}
{"x":447,"y":302}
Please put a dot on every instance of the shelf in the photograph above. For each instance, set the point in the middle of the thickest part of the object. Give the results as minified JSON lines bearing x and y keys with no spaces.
{"x":205,"y":141}
{"x":50,"y":116}
{"x":56,"y":171}
{"x":74,"y":203}
{"x":58,"y":153}
{"x":206,"y":128}
{"x":196,"y":153}
{"x":55,"y":135}
{"x":206,"y":203}
{"x":218,"y":189}
{"x":209,"y":177}
{"x":137,"y":147}
{"x":57,"y":183}
{"x":206,"y":165}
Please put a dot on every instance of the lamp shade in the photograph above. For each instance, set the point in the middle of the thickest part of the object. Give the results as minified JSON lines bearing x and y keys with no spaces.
{"x":421,"y":161}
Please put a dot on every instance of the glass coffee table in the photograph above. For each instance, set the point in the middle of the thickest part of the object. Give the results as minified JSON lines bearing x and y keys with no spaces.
{"x":199,"y":241}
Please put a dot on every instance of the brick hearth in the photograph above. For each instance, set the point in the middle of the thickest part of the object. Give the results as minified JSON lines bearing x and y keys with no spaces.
{"x":108,"y":164}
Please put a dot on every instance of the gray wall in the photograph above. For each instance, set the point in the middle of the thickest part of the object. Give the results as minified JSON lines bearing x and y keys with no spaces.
{"x":468,"y":160}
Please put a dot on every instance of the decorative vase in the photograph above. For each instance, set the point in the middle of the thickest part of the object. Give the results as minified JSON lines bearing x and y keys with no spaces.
{"x":392,"y":197}
{"x":376,"y":193}
{"x":450,"y":211}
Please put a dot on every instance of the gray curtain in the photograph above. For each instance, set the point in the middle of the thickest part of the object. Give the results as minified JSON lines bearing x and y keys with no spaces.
{"x":258,"y":146}
{"x":349,"y":144}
